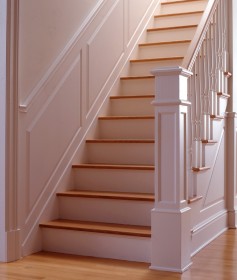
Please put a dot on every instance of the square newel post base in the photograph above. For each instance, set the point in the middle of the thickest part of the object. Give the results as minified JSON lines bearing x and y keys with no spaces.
{"x":171,"y":240}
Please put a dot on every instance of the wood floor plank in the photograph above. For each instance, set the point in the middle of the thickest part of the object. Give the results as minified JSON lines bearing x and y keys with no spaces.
{"x":216,"y":261}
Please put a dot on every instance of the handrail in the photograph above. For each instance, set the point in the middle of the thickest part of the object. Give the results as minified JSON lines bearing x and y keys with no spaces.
{"x":199,"y":36}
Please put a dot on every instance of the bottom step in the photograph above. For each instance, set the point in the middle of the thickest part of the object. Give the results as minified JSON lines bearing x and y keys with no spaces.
{"x":132,"y":243}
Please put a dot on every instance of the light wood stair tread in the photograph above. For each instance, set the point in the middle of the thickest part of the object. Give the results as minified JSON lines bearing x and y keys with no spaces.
{"x":132,"y":96}
{"x":124,"y":141}
{"x":140,"y":231}
{"x":164,"y":43}
{"x":156,"y":59}
{"x":199,"y":169}
{"x":179,"y":14}
{"x":114,"y":166}
{"x":171,"y":27}
{"x":126,"y":118}
{"x":205,"y":141}
{"x":178,"y":2}
{"x":137,"y":77}
{"x":108,"y":195}
{"x":217,"y":117}
{"x":194,"y":199}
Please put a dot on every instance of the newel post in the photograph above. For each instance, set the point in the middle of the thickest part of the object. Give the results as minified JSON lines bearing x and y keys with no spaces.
{"x":231,"y":169}
{"x":170,"y":219}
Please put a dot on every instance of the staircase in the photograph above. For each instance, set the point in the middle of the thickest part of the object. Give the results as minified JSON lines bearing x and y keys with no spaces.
{"x":107,"y":211}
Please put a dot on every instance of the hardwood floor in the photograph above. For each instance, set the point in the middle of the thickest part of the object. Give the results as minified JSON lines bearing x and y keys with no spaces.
{"x":217,"y":261}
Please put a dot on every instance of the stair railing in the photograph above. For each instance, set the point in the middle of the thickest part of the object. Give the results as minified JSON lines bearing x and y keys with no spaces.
{"x":208,"y":84}
{"x":187,"y":98}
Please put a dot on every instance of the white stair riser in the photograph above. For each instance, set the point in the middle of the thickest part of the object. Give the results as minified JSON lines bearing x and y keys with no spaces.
{"x":126,"y":129}
{"x":183,"y":7}
{"x":97,"y":245}
{"x":163,"y":50}
{"x":106,"y":210}
{"x":138,"y":86}
{"x":144,"y":68}
{"x":114,"y":180}
{"x":170,"y":35}
{"x":121,"y":153}
{"x":177,"y":20}
{"x":216,"y":128}
{"x":132,"y":107}
{"x":221,"y":105}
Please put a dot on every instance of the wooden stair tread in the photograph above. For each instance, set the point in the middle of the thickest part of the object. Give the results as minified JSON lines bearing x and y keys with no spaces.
{"x":132,"y":96}
{"x":124,"y":141}
{"x":126,"y":118}
{"x":114,"y":166}
{"x":140,"y":231}
{"x":137,"y":77}
{"x":222,"y":94}
{"x":178,"y":14}
{"x":171,"y":27}
{"x":109,"y":195}
{"x":205,"y":141}
{"x":178,"y":2}
{"x":157,"y":59}
{"x":199,"y":169}
{"x":194,"y":199}
{"x":164,"y":43}
{"x":216,"y":117}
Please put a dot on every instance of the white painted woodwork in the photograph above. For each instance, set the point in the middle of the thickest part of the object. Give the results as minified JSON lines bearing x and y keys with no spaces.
{"x":107,"y":246}
{"x":106,"y":210}
{"x":171,"y":213}
{"x":170,"y":35}
{"x":60,"y":100}
{"x":182,"y":19}
{"x":131,"y":129}
{"x":183,"y":7}
{"x":121,"y":153}
{"x":231,"y":169}
{"x":137,"y":86}
{"x":3,"y":122}
{"x":144,"y":68}
{"x":163,"y":50}
{"x":141,"y":181}
{"x":132,"y":106}
{"x":62,"y":93}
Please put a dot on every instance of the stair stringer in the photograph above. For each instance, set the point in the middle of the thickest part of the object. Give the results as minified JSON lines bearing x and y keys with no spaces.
{"x":209,"y":216}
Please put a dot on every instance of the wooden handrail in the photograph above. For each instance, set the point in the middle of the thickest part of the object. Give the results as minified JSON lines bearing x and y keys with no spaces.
{"x":199,"y":36}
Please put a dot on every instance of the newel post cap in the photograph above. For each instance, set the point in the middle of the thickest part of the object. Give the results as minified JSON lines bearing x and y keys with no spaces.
{"x":171,"y":71}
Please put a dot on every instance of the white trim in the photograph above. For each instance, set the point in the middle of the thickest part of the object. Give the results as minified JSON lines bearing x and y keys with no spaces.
{"x":3,"y":27}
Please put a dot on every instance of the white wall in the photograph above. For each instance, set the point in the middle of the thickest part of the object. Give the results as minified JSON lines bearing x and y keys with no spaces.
{"x":69,"y":61}
{"x":2,"y":126}
{"x":45,"y":27}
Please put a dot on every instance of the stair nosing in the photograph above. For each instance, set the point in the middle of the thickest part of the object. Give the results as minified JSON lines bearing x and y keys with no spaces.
{"x":126,"y":118}
{"x":108,"y":195}
{"x":179,"y":14}
{"x":171,"y":27}
{"x":96,"y":227}
{"x":114,"y":166}
{"x":132,"y":96}
{"x":156,"y":59}
{"x":137,"y":77}
{"x":165,"y":43}
{"x":178,"y":2}
{"x":120,"y":141}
